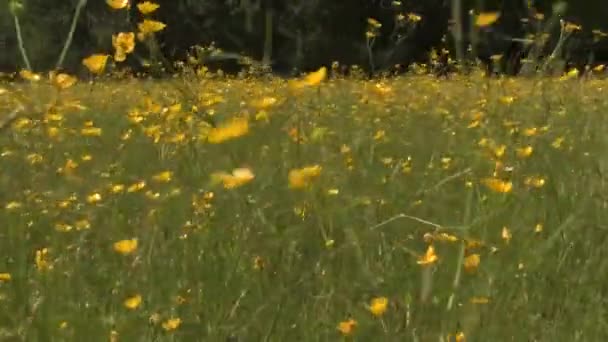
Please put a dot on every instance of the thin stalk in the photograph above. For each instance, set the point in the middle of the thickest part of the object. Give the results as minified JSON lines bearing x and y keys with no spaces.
{"x":457,"y":29}
{"x":68,"y":40}
{"x":26,"y":60}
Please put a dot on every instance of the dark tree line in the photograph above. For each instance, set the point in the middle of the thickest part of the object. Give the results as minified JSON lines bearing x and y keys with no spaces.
{"x":298,"y":35}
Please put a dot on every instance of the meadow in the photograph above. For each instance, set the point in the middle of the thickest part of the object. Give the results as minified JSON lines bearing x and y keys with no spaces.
{"x":221,"y":209}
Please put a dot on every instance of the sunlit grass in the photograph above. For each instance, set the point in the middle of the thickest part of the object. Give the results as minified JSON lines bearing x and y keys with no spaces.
{"x":403,"y":209}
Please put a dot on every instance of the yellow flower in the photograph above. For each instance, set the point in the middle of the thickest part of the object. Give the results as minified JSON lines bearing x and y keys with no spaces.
{"x":96,"y":63}
{"x":301,"y":178}
{"x":310,"y":80}
{"x":497,"y":185}
{"x":136,"y":186}
{"x":479,"y":300}
{"x":235,"y":128}
{"x":237,"y":178}
{"x":533,"y":181}
{"x":429,"y":257}
{"x":63,"y":81}
{"x":29,"y":75}
{"x":118,"y":4}
{"x":413,"y":17}
{"x":93,"y":198}
{"x":41,"y":259}
{"x":125,"y":247}
{"x":172,"y":324}
{"x":147,"y":7}
{"x":5,"y":277}
{"x":524,"y":152}
{"x":264,"y":103}
{"x":486,"y":19}
{"x":374,"y":23}
{"x":347,"y":327}
{"x":91,"y":131}
{"x":571,"y":27}
{"x":378,"y":306}
{"x":471,"y":262}
{"x":124,"y":44}
{"x":132,"y":303}
{"x":506,"y":234}
{"x":150,"y":26}
{"x":163,"y":177}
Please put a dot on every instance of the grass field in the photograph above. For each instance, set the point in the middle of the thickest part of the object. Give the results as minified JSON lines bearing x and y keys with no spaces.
{"x":411,"y":209}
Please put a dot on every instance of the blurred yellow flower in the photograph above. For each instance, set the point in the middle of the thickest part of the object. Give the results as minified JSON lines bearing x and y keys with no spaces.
{"x":94,"y":198}
{"x":91,"y":131}
{"x":118,"y":4}
{"x":378,"y":306}
{"x":301,"y":178}
{"x":506,"y":234}
{"x":471,"y":262}
{"x":171,"y":324}
{"x":237,"y":178}
{"x":264,"y":103}
{"x":310,"y":80}
{"x":132,"y":303}
{"x":497,"y":185}
{"x":41,"y":260}
{"x":524,"y":152}
{"x":124,"y":44}
{"x":5,"y":277}
{"x":125,"y":247}
{"x":96,"y":63}
{"x":62,"y":80}
{"x":147,"y":7}
{"x":347,"y":327}
{"x":429,"y":257}
{"x":163,"y":177}
{"x":29,"y":75}
{"x":150,"y":26}
{"x":534,"y":181}
{"x":486,"y":19}
{"x":233,"y":129}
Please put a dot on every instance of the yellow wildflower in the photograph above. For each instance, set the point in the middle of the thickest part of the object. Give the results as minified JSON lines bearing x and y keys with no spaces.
{"x":347,"y":327}
{"x":62,"y":80}
{"x":118,"y":4}
{"x":378,"y":306}
{"x":471,"y":262}
{"x":96,"y":63}
{"x":125,"y":247}
{"x":301,"y":178}
{"x":497,"y":185}
{"x":124,"y":44}
{"x":172,"y":324}
{"x":429,"y":257}
{"x":524,"y":152}
{"x":237,"y":178}
{"x":235,"y":128}
{"x":5,"y":276}
{"x":150,"y":26}
{"x":310,"y":80}
{"x":506,"y":234}
{"x":41,"y":259}
{"x":133,"y":302}
{"x":486,"y":19}
{"x":147,"y":7}
{"x":29,"y":75}
{"x":163,"y":177}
